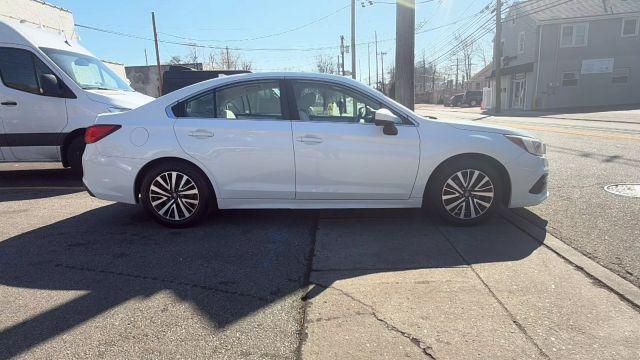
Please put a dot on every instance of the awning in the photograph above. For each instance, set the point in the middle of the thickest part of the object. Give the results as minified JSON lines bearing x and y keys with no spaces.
{"x":516,"y":69}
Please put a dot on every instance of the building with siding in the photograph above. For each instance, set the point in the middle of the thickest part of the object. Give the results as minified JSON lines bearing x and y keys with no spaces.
{"x":561,"y":54}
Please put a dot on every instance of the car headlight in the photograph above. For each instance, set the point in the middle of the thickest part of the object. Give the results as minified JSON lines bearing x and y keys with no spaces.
{"x":530,"y":145}
{"x":115,"y":109}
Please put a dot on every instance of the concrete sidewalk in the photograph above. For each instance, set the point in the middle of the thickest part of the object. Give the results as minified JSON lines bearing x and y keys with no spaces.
{"x":391,"y":288}
{"x":627,"y":115}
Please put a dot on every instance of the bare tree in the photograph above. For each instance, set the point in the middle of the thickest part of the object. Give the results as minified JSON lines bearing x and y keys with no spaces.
{"x":467,"y":50}
{"x":192,"y":55}
{"x":325,"y":64}
{"x":175,"y":60}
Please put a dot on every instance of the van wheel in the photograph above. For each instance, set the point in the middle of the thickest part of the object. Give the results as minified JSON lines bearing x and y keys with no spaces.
{"x":465,"y":192}
{"x":74,"y":154}
{"x":175,"y":194}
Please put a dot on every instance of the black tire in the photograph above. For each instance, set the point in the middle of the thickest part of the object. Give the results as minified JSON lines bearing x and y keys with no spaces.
{"x":179,"y":216}
{"x":474,"y":103}
{"x":74,"y":152}
{"x":442,"y":199}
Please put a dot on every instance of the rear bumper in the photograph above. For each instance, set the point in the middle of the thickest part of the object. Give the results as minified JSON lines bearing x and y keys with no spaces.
{"x":109,"y":178}
{"x":527,"y":188}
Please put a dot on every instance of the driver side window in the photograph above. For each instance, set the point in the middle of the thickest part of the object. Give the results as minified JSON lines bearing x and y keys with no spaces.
{"x":317,"y":101}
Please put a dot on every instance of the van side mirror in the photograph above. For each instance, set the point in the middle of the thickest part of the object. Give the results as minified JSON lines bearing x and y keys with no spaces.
{"x":387,"y":120}
{"x":50,"y":85}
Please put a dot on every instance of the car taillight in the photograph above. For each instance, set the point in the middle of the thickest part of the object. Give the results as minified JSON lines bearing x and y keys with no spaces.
{"x":97,"y":132}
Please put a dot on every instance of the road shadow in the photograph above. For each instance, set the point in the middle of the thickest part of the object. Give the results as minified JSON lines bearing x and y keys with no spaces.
{"x":234,"y":264}
{"x":34,"y":183}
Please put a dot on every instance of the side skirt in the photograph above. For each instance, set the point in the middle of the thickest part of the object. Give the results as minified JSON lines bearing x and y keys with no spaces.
{"x":317,"y":204}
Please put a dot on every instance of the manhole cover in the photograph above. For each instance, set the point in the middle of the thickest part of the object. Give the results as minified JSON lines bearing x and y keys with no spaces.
{"x":632,"y":190}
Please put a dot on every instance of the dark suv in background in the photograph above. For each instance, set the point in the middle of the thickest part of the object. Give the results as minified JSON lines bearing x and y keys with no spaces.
{"x":472,"y":98}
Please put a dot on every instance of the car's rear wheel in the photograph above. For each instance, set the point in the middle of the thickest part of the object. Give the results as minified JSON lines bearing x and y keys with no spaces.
{"x":465,"y":192}
{"x":176,"y":194}
{"x":74,"y":154}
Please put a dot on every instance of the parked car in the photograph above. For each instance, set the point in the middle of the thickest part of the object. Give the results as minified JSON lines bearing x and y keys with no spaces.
{"x":52,"y":88}
{"x":299,"y":141}
{"x":472,"y":98}
{"x":455,"y":100}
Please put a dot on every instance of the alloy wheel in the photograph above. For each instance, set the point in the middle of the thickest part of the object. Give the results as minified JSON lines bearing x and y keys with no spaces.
{"x":468,"y":194}
{"x":174,"y":195}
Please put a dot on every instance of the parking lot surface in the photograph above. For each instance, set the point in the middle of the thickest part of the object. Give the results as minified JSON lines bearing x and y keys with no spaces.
{"x":81,"y":278}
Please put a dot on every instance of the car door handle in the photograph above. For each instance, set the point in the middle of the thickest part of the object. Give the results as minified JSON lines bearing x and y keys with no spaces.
{"x":310,"y":139}
{"x":9,"y":103}
{"x":201,"y":134}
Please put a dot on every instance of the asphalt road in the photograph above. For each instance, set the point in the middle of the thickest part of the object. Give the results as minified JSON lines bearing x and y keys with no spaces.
{"x":586,"y":152}
{"x":105,"y":281}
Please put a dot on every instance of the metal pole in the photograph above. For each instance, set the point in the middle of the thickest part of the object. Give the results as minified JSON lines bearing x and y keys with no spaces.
{"x":155,"y":39}
{"x":369,"y":62}
{"x":228,"y":59}
{"x":342,"y":52}
{"x":377,"y":80}
{"x":353,"y":39}
{"x":405,"y":48}
{"x":497,"y":57}
{"x":382,"y":54}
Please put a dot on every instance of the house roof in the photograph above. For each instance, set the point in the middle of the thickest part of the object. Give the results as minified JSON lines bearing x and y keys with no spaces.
{"x":545,"y":10}
{"x":482,"y":74}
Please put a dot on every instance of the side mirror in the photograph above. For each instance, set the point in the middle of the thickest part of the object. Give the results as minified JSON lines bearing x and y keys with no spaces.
{"x":50,"y":86}
{"x":387,"y":120}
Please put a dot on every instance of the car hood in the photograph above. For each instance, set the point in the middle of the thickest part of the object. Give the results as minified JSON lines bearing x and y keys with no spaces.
{"x":487,"y":128}
{"x":118,"y":98}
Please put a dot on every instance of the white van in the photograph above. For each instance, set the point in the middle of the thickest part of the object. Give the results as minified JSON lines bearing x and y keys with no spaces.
{"x":51,"y":89}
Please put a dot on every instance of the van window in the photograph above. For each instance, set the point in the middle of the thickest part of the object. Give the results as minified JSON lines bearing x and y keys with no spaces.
{"x":88,"y":72}
{"x":17,"y":70}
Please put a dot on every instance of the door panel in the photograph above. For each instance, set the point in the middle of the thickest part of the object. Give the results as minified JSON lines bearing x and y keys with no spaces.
{"x":243,"y":140}
{"x":249,"y":159}
{"x":32,"y":122}
{"x":354,"y":161}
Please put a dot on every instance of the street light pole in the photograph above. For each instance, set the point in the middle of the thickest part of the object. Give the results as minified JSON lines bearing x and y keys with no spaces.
{"x":353,"y":39}
{"x":382,"y":54}
{"x":497,"y":58}
{"x":405,"y":47}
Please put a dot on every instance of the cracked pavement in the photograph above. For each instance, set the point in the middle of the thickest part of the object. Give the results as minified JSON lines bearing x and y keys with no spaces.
{"x":84,"y":278}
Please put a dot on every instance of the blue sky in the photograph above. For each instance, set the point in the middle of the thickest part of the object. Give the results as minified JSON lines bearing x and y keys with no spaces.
{"x":225,"y":22}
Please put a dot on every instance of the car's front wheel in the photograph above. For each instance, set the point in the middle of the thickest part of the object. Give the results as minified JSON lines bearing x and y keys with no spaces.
{"x":465,"y":192}
{"x":176,"y":194}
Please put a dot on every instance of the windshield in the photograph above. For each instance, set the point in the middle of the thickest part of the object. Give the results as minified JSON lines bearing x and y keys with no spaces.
{"x":88,"y":72}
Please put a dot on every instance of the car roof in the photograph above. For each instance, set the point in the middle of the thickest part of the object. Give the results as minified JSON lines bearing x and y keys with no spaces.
{"x":223,"y":80}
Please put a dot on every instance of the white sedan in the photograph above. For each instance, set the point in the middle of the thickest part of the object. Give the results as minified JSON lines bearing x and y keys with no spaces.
{"x":302,"y":141}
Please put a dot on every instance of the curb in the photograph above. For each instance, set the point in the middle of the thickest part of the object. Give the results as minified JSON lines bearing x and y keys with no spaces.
{"x":606,"y":277}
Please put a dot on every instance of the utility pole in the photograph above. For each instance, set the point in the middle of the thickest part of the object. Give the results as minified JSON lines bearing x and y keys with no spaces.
{"x":497,"y":57}
{"x":424,"y":73}
{"x":228,"y":59}
{"x":377,"y":80}
{"x":155,"y":39}
{"x":342,"y":52}
{"x":146,"y":59}
{"x":369,"y":62}
{"x":353,"y":39}
{"x":382,"y":54}
{"x":433,"y":84}
{"x":405,"y":48}
{"x":457,"y":74}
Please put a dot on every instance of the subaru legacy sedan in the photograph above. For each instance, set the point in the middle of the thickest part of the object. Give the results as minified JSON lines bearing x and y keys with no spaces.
{"x":305,"y":141}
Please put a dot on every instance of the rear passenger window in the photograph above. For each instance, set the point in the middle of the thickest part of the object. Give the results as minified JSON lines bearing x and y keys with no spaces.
{"x":256,"y":100}
{"x":18,"y":71}
{"x":200,"y":106}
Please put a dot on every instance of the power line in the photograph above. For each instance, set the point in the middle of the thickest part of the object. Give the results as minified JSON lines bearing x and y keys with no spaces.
{"x":263,"y":36}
